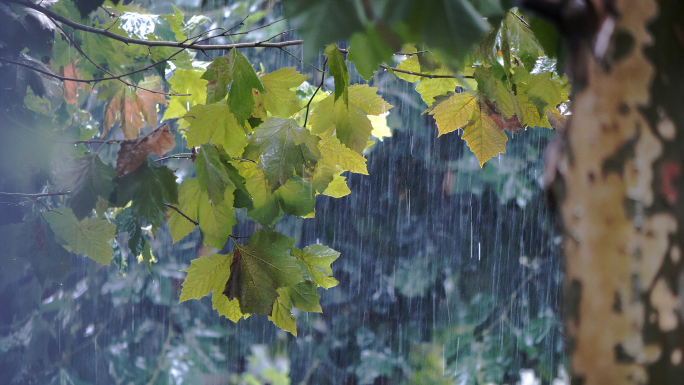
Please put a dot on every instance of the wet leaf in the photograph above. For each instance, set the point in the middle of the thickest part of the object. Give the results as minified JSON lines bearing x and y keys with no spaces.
{"x":282,"y":317}
{"x":429,"y":89}
{"x":148,"y":188}
{"x":214,"y":175}
{"x":338,"y":70}
{"x":233,"y":75}
{"x":126,"y":222}
{"x":454,"y":112}
{"x":262,"y":266}
{"x":316,"y":261}
{"x":296,"y":197}
{"x":214,"y":123}
{"x":90,"y":236}
{"x":335,"y":154}
{"x":87,"y":178}
{"x":278,"y":97}
{"x":368,"y":50}
{"x":283,"y":150}
{"x":304,"y":297}
{"x":209,"y":274}
{"x":483,"y":136}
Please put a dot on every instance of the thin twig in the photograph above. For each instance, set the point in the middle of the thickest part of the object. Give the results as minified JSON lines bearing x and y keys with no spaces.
{"x":31,"y":196}
{"x":308,"y":105}
{"x":88,"y":81}
{"x":177,"y":156}
{"x":411,"y":53}
{"x":181,"y":213}
{"x":422,"y":75}
{"x":95,"y":141}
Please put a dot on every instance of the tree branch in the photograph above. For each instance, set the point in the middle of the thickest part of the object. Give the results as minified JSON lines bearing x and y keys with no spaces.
{"x":119,"y":78}
{"x":147,"y":43}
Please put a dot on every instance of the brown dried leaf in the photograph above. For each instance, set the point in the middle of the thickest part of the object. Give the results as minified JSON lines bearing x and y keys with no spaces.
{"x":112,"y":113}
{"x":132,"y":110}
{"x":71,"y":88}
{"x":134,"y":152}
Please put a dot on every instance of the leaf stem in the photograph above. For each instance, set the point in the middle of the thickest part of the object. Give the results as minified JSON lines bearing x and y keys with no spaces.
{"x":308,"y":105}
{"x":176,"y":209}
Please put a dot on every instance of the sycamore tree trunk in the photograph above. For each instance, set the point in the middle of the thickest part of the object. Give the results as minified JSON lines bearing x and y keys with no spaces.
{"x":620,"y":191}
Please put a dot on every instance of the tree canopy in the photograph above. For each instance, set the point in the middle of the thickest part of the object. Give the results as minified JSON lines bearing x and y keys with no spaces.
{"x":259,"y":145}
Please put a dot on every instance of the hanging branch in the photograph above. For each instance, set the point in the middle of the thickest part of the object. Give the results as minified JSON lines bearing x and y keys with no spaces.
{"x":119,"y":78}
{"x":31,"y":196}
{"x":147,"y":43}
{"x":89,"y":81}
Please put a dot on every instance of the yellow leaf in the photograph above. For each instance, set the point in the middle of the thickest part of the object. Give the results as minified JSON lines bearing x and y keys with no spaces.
{"x":336,"y":154}
{"x":483,"y":136}
{"x":337,"y":188}
{"x":454,"y":112}
{"x":380,"y":128}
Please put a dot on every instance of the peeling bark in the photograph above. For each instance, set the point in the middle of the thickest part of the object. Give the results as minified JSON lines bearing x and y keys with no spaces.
{"x":620,"y":192}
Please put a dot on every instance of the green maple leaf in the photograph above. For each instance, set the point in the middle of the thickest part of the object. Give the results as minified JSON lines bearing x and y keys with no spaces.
{"x":283,"y":149}
{"x":338,"y":70}
{"x":147,"y":188}
{"x":304,"y":296}
{"x":282,"y":316}
{"x":215,"y":175}
{"x":214,"y":123}
{"x":495,"y":90}
{"x":368,"y":50}
{"x":350,"y":122}
{"x":188,"y":204}
{"x":278,"y":97}
{"x":265,"y":207}
{"x":33,"y":241}
{"x":522,"y":40}
{"x":540,"y":89}
{"x":234,"y":75}
{"x":218,"y":75}
{"x":315,"y":261}
{"x":259,"y":268}
{"x":185,"y":82}
{"x":90,"y":236}
{"x":87,"y":178}
{"x":296,"y":197}
{"x":126,"y":222}
{"x":209,"y":274}
{"x":454,"y":112}
{"x":215,"y":219}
